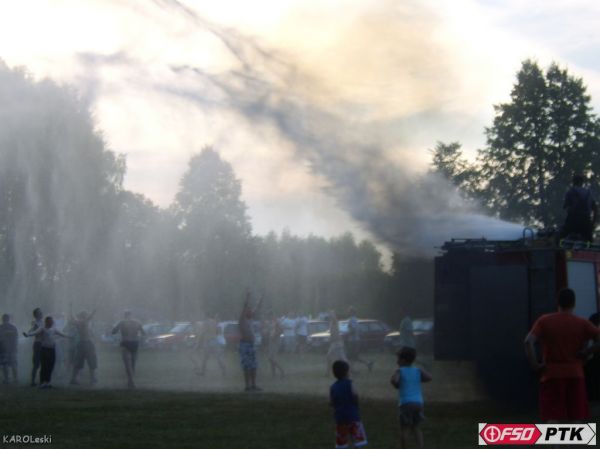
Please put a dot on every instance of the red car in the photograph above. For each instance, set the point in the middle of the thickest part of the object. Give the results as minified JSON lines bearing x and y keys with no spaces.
{"x":179,"y":337}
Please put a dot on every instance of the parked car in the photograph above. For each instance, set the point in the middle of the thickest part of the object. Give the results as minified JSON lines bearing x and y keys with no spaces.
{"x":231,"y":332}
{"x":154,"y":329}
{"x":150,"y":330}
{"x":314,"y":327}
{"x":317,"y":326}
{"x":372,"y":335}
{"x":422,"y":331}
{"x":179,"y":337}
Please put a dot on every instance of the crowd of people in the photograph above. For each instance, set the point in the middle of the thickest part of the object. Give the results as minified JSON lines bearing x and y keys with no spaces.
{"x":566,"y":380}
{"x":342,"y":394}
{"x":292,"y":333}
{"x":69,"y":346}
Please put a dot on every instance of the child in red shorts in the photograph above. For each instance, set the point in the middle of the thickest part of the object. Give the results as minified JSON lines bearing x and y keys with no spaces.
{"x":344,"y":401}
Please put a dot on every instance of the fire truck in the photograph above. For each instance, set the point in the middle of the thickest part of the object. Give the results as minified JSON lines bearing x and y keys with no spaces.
{"x":489,"y":293}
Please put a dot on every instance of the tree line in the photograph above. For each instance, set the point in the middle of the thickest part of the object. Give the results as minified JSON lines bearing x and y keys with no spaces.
{"x":71,"y":233}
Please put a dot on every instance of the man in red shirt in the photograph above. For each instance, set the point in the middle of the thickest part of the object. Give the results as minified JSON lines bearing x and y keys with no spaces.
{"x":563,"y":337}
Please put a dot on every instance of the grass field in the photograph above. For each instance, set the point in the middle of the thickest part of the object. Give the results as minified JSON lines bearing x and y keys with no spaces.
{"x":174,"y":408}
{"x":305,"y":374}
{"x":156,"y":419}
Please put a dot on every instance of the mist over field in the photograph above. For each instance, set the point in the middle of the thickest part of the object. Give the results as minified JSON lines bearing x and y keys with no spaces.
{"x":72,"y":233}
{"x":195,"y":196}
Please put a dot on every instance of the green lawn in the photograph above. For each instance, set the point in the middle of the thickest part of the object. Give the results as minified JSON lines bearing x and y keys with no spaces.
{"x":157,"y":419}
{"x":174,"y":408}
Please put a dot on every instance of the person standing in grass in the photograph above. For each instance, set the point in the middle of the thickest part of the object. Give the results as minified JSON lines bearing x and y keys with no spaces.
{"x":564,"y":338}
{"x":407,"y":333}
{"x":301,"y":333}
{"x":353,"y":338}
{"x":288,"y":323}
{"x":130,"y":330}
{"x":85,"y":350}
{"x":211,"y":345}
{"x":271,"y":339}
{"x":47,"y":334}
{"x":9,"y":338}
{"x":37,"y":323}
{"x":336,"y":343}
{"x":246,"y":348}
{"x":344,"y":400}
{"x":407,"y":380}
{"x":71,"y":346}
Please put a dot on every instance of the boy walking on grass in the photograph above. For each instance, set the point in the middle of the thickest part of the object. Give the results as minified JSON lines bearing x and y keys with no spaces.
{"x":407,"y":379}
{"x":344,"y":401}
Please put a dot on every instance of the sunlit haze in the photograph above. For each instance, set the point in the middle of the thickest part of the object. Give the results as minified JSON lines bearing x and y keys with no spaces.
{"x":412,"y":73}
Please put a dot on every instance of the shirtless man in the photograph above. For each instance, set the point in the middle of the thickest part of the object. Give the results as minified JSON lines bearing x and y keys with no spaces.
{"x":85,"y":350}
{"x":131,"y":330}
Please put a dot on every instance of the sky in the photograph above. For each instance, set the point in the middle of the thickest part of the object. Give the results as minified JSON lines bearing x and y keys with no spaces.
{"x":406,"y":73}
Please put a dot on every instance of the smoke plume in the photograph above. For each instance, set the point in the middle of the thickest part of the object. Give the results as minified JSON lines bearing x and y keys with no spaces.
{"x":407,"y":211}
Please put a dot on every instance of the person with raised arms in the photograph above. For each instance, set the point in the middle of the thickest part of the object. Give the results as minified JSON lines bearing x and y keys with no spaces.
{"x":85,"y":350}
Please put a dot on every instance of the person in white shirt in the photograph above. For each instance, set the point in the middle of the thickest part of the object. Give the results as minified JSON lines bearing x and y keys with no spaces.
{"x":336,"y":343}
{"x":47,"y":335}
{"x":354,"y":343}
{"x":301,"y":332}
{"x":407,"y":333}
{"x":211,"y":345}
{"x":288,"y":324}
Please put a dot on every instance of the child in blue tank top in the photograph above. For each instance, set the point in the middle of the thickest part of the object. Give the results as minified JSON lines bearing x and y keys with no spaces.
{"x":407,"y":379}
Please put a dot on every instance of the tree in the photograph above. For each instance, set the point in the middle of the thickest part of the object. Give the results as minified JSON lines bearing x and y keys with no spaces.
{"x":58,"y":185}
{"x":411,"y":288}
{"x":214,"y":242}
{"x":448,"y":161}
{"x":537,"y":141}
{"x":210,"y":195}
{"x":70,"y":232}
